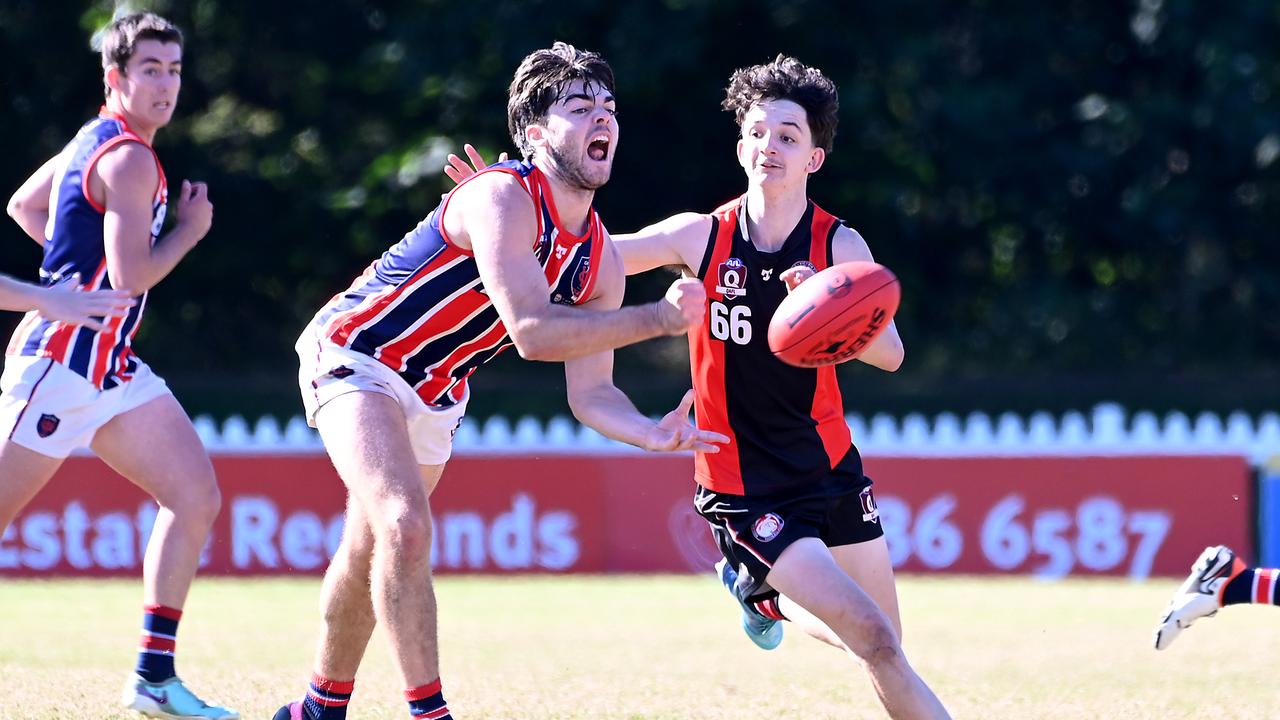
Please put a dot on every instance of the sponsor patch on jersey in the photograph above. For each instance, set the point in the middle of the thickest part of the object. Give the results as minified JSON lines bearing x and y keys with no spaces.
{"x":766,"y":273}
{"x":730,"y":278}
{"x":767,"y":527}
{"x":870,"y":513}
{"x":47,"y":425}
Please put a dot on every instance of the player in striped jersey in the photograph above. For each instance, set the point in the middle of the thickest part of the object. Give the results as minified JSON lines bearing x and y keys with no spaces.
{"x":785,"y":497}
{"x":1218,"y":579}
{"x":98,"y":208}
{"x":514,"y":256}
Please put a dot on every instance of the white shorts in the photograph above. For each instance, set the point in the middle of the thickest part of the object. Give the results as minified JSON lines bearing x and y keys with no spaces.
{"x":47,"y":408}
{"x":327,"y":371}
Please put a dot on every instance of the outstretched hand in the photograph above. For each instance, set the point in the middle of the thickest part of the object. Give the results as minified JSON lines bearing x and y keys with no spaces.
{"x":674,"y":432}
{"x":65,"y":303}
{"x":458,"y":169}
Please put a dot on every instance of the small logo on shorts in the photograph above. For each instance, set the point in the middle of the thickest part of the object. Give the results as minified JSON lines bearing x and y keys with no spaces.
{"x":342,"y":372}
{"x":47,"y":425}
{"x":870,"y":513}
{"x":767,"y":527}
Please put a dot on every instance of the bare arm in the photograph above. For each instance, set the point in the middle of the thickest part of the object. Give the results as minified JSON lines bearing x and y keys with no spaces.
{"x":599,"y":404}
{"x":886,"y":352}
{"x":127,"y":178}
{"x":63,"y":302}
{"x":679,"y":240}
{"x":29,"y":206}
{"x":493,"y":217}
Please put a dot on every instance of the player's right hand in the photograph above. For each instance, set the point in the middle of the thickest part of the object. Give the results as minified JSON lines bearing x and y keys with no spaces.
{"x":195,"y":211}
{"x":458,"y":169}
{"x":674,"y":432}
{"x":65,"y":303}
{"x":683,"y":307}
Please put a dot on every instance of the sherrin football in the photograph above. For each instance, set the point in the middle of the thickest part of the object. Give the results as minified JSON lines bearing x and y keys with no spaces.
{"x":834,"y":315}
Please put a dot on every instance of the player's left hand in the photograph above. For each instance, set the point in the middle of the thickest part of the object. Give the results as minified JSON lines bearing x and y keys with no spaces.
{"x":458,"y":169}
{"x":796,"y":275}
{"x":674,"y":432}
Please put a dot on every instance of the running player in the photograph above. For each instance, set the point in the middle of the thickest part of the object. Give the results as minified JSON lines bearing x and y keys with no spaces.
{"x":1218,"y":579}
{"x":786,"y":498}
{"x":503,"y":260}
{"x":97,"y":208}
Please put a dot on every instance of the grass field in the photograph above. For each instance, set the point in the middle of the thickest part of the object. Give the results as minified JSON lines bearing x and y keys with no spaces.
{"x":632,"y":647}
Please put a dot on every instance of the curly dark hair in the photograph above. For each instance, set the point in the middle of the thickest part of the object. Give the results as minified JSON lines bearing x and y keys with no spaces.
{"x":120,"y":38}
{"x":786,"y":78}
{"x":541,"y":80}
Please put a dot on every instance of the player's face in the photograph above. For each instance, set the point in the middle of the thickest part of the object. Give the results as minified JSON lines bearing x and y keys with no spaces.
{"x":776,"y":146}
{"x":580,"y":135}
{"x":148,"y":88}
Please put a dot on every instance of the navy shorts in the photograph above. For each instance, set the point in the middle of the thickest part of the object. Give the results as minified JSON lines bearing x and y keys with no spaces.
{"x":752,"y":532}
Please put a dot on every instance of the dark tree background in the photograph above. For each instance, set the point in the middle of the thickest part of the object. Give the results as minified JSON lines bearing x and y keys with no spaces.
{"x":1081,"y":198}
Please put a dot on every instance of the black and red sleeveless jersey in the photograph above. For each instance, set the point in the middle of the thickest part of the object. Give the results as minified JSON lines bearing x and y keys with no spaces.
{"x":785,"y":424}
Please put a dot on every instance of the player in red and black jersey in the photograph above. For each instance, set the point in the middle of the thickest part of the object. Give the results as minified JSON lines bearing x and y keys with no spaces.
{"x":786,"y":497}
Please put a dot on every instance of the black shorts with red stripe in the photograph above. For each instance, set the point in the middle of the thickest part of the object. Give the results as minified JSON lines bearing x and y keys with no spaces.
{"x":753,"y":531}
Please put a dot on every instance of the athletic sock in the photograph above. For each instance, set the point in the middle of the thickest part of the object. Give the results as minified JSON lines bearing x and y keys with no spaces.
{"x":159,"y":638}
{"x":768,"y":607}
{"x":327,"y":699}
{"x":426,"y":702}
{"x":1254,"y":585}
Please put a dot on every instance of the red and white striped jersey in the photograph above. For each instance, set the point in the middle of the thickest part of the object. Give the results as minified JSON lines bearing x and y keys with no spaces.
{"x":422,"y":310}
{"x":75,"y":244}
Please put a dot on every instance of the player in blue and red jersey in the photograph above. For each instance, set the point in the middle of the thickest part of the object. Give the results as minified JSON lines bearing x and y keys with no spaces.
{"x":98,"y":209}
{"x":514,"y":256}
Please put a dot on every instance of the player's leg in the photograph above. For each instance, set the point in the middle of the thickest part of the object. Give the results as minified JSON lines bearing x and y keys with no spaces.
{"x":368,"y":440}
{"x":23,"y":473}
{"x":155,"y":447}
{"x":807,"y":573}
{"x":867,"y":563}
{"x":1217,"y":579}
{"x":347,"y":613}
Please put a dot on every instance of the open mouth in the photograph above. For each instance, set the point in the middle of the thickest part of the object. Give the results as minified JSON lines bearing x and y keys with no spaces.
{"x":163,"y":105}
{"x":598,"y":148}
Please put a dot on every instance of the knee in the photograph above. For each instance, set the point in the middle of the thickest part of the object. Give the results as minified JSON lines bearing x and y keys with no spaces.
{"x":199,"y":501}
{"x":405,"y":530}
{"x":876,"y":643}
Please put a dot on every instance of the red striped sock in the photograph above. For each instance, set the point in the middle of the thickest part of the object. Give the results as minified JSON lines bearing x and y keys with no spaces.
{"x":769,"y":608}
{"x":1255,"y":585}
{"x":158,"y":644}
{"x":327,"y":699}
{"x":426,"y":702}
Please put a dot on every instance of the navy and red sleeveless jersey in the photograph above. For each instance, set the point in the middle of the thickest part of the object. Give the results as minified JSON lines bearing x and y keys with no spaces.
{"x":421,"y":309}
{"x":785,"y":424}
{"x":74,"y":244}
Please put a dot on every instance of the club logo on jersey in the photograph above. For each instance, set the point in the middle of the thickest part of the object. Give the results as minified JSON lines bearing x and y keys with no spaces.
{"x":342,"y":371}
{"x":803,"y":264}
{"x":870,"y":513}
{"x":767,"y":527}
{"x":730,"y":278}
{"x":581,"y":275}
{"x":47,"y":425}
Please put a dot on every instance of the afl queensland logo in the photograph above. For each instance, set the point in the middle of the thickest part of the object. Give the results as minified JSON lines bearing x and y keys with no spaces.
{"x":870,"y":513}
{"x":730,"y":277}
{"x":767,"y":527}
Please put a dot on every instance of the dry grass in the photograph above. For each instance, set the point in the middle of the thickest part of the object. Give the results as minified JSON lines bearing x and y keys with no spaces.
{"x":615,"y":648}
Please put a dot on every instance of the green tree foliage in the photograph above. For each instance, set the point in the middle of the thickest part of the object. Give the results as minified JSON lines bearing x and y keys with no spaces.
{"x":1079,"y":191}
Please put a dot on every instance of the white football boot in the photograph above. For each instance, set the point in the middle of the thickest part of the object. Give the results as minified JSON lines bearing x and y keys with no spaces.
{"x":1200,"y":595}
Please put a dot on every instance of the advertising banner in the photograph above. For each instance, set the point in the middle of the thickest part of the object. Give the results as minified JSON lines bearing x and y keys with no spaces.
{"x":1131,"y":516}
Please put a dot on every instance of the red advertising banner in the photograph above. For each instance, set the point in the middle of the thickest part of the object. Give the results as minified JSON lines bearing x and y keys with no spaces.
{"x":632,"y":513}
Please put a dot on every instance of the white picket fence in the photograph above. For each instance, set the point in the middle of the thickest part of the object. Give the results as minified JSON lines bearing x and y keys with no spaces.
{"x":1106,"y":430}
